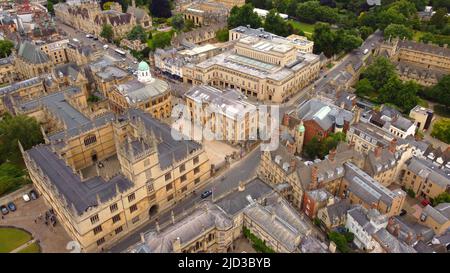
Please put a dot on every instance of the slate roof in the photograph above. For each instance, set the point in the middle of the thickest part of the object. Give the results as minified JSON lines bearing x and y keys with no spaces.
{"x":324,"y":114}
{"x":430,"y":171}
{"x":391,"y":243}
{"x":79,"y":194}
{"x":439,"y":213}
{"x":422,"y":47}
{"x":32,"y":54}
{"x":19,"y":85}
{"x":169,"y":149}
{"x":135,"y":91}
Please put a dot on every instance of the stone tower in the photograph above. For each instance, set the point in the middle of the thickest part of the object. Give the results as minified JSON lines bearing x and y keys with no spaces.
{"x":299,"y":137}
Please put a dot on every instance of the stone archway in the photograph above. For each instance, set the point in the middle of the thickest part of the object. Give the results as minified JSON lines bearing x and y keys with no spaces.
{"x":153,"y":211}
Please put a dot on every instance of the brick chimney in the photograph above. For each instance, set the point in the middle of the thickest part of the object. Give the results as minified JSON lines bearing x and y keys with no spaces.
{"x":390,"y":225}
{"x":393,"y":145}
{"x":314,"y":174}
{"x":332,"y":154}
{"x":409,"y":239}
{"x":377,"y":151}
{"x":374,"y":205}
{"x":293,"y":163}
{"x":396,"y":230}
{"x":286,"y":119}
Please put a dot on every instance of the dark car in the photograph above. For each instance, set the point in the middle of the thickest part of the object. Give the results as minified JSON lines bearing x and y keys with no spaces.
{"x":34,"y":195}
{"x":4,"y":210}
{"x":205,"y":194}
{"x":11,"y":206}
{"x":402,"y":212}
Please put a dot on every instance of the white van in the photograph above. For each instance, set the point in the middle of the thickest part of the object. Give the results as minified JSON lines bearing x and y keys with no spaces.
{"x":105,"y":47}
{"x":366,"y":51}
{"x":26,"y":198}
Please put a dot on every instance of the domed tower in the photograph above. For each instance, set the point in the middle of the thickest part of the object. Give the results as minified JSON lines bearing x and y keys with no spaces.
{"x":144,"y":74}
{"x":299,"y":137}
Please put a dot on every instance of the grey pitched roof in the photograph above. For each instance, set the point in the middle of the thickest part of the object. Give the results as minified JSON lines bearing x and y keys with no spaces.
{"x":70,"y":70}
{"x":206,"y":216}
{"x":325,"y":114}
{"x":18,"y":85}
{"x":338,"y":209}
{"x":169,"y":149}
{"x":392,"y":243}
{"x":236,"y":201}
{"x":438,"y":214}
{"x":360,"y":217}
{"x":80,"y":194}
{"x":428,"y":170}
{"x":366,"y":188}
{"x":32,"y":54}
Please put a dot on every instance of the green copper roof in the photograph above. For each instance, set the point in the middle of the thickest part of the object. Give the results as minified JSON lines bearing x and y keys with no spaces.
{"x":301,"y":128}
{"x":143,"y":66}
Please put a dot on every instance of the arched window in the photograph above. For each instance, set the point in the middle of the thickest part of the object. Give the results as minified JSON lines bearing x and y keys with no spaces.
{"x":90,"y":139}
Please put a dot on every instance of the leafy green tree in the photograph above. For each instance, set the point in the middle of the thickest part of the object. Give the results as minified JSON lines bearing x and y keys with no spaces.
{"x":345,"y":41}
{"x":222,"y":35}
{"x":324,"y":39}
{"x":340,"y":241}
{"x":403,"y":95}
{"x":441,"y":198}
{"x":312,"y":148}
{"x":400,"y":31}
{"x":439,"y":19}
{"x":161,"y":40}
{"x":364,"y":88}
{"x":275,"y":24}
{"x":440,"y":4}
{"x":160,"y":8}
{"x":242,"y":16}
{"x":6,"y":47}
{"x":441,"y":130}
{"x":17,"y":128}
{"x":137,"y":33}
{"x":365,"y":32}
{"x":107,"y":32}
{"x":50,"y":7}
{"x":441,"y":91}
{"x":11,"y":177}
{"x":379,"y":72}
{"x":188,"y":25}
{"x":420,"y":4}
{"x":178,"y":22}
{"x":107,"y":5}
{"x":312,"y":11}
{"x":390,"y":16}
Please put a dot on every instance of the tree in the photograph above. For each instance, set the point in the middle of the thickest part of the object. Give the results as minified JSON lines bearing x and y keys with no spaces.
{"x":364,"y":88}
{"x":441,"y":198}
{"x":11,"y":177}
{"x":323,"y":39}
{"x":107,"y":5}
{"x":222,"y":35}
{"x":312,"y":148}
{"x":441,"y":130}
{"x":50,"y":7}
{"x":275,"y":24}
{"x":312,"y":11}
{"x":390,"y":16}
{"x":400,"y":31}
{"x":420,"y":4}
{"x":160,"y":8}
{"x":137,"y":33}
{"x":441,"y":91}
{"x":107,"y":32}
{"x":244,"y":16}
{"x":345,"y":41}
{"x":5,"y":48}
{"x":379,"y":72}
{"x":161,"y":40}
{"x":340,"y":241}
{"x":178,"y":22}
{"x":17,"y":128}
{"x":403,"y":95}
{"x":365,"y":32}
{"x":439,"y":19}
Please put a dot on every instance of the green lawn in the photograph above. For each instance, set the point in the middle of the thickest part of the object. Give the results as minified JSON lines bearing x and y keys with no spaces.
{"x":12,"y":238}
{"x":308,"y":29}
{"x":33,"y":248}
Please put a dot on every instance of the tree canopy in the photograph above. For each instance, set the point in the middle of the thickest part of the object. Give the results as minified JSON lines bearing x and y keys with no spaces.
{"x":242,"y":16}
{"x":441,"y":130}
{"x":316,"y":148}
{"x":107,"y":32}
{"x":6,"y":47}
{"x":275,"y":24}
{"x":137,"y":33}
{"x":400,"y":31}
{"x":160,"y":8}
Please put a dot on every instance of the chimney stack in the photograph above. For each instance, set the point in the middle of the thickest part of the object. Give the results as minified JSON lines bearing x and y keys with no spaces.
{"x":396,"y":230}
{"x":241,"y":186}
{"x":332,"y":154}
{"x":314,"y":174}
{"x":409,"y":239}
{"x":286,"y":119}
{"x":374,"y":205}
{"x":393,"y":145}
{"x":293,"y":163}
{"x":377,"y":151}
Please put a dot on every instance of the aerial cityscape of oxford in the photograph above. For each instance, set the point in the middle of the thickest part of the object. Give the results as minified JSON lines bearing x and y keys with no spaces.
{"x":224,"y":126}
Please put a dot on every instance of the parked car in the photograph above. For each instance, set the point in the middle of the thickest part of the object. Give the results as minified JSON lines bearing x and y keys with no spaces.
{"x":425,"y":202}
{"x":26,"y":198}
{"x":205,"y":194}
{"x":402,"y":212}
{"x":4,"y":210}
{"x":34,"y":195}
{"x":12,"y":206}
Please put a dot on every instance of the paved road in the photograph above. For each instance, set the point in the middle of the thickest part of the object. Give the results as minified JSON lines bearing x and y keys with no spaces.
{"x":242,"y":170}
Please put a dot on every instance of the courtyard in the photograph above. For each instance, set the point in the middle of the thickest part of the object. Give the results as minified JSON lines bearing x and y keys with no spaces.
{"x":25,"y":231}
